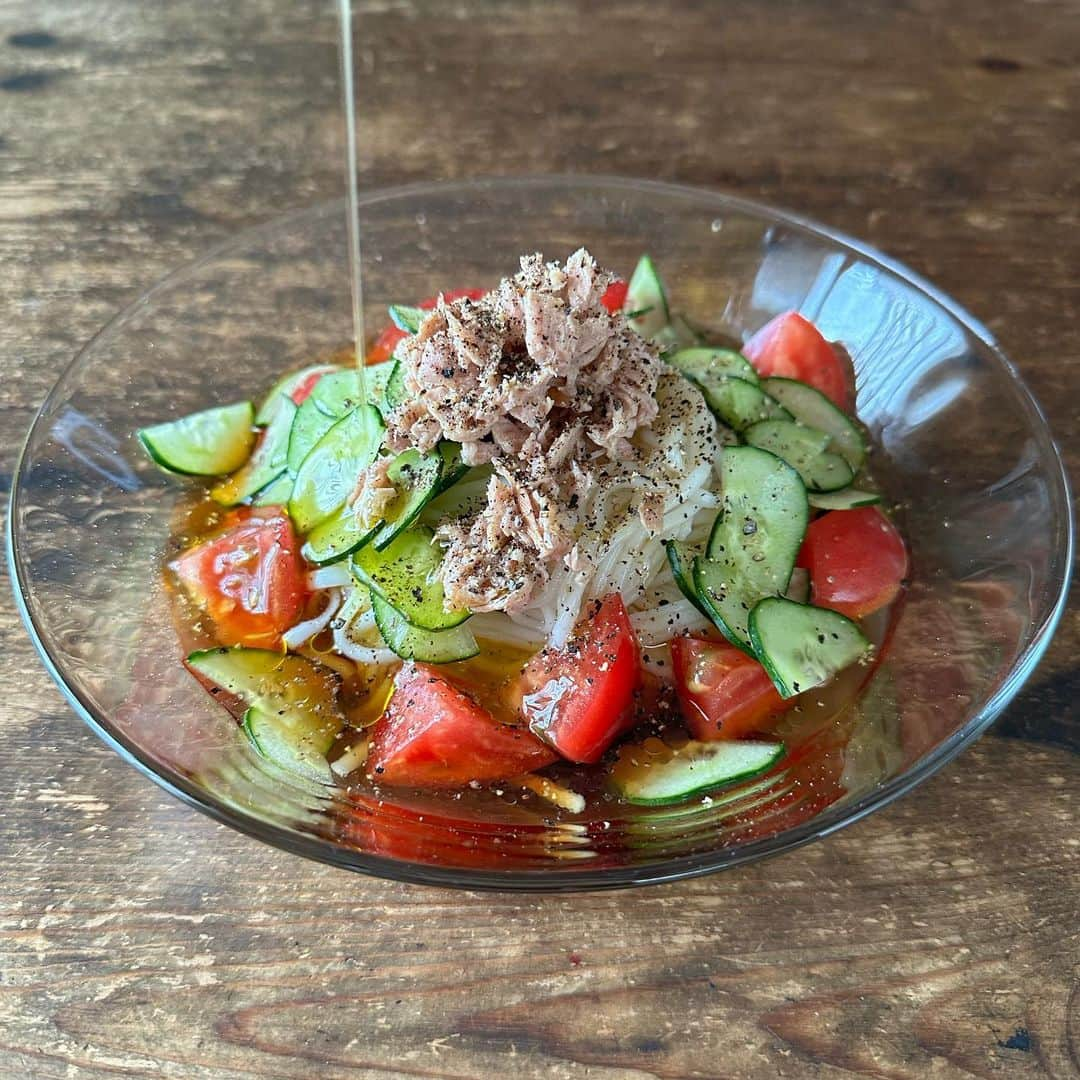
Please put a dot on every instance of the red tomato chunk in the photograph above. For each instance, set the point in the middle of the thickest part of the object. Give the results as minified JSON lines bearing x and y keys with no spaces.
{"x":249,"y":579}
{"x":579,"y":699}
{"x":857,"y":561}
{"x":435,"y":735}
{"x":615,"y":296}
{"x":793,"y":348}
{"x":724,"y":694}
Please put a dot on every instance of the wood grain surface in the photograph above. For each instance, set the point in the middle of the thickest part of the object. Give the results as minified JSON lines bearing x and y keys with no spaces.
{"x":940,"y":937}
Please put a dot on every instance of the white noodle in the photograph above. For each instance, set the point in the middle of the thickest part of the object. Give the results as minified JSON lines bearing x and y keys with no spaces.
{"x":306,"y":630}
{"x":330,"y":577}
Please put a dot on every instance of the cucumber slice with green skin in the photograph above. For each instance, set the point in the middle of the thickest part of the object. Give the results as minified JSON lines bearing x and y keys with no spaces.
{"x":754,"y":541}
{"x":799,"y":586}
{"x":309,"y":425}
{"x":412,"y":643}
{"x":376,"y":379}
{"x":276,"y":493}
{"x":292,"y":749}
{"x":763,"y":515}
{"x":805,"y":450}
{"x":407,"y":318}
{"x":209,"y":443}
{"x":396,"y":393}
{"x":729,"y":592}
{"x":454,"y":469}
{"x":328,"y":475}
{"x":812,"y":408}
{"x":740,"y":404}
{"x":646,"y":291}
{"x":300,"y":694}
{"x":285,"y":388}
{"x":647,"y":778}
{"x":844,"y":499}
{"x":681,"y":560}
{"x":266,"y":463}
{"x":408,"y":576}
{"x":416,"y":477}
{"x":339,"y":393}
{"x":802,"y":646}
{"x":704,"y":366}
{"x":337,"y":537}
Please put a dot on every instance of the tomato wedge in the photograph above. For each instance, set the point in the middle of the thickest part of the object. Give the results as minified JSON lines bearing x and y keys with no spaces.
{"x":579,"y":699}
{"x":249,"y":578}
{"x":792,"y":347}
{"x":385,"y":344}
{"x":615,"y":296}
{"x":433,"y":734}
{"x":857,"y":561}
{"x":724,"y":694}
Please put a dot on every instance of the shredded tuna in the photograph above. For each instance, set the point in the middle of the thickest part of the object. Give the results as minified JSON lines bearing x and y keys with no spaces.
{"x":539,"y":379}
{"x":373,"y":493}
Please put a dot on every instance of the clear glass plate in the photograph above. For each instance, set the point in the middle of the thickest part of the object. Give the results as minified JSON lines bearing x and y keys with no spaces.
{"x":963,"y":448}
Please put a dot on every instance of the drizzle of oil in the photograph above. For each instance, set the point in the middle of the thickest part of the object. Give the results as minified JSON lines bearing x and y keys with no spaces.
{"x":348,"y":93}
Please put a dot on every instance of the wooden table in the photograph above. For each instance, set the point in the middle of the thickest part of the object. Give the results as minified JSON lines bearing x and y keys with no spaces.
{"x":938,"y":938}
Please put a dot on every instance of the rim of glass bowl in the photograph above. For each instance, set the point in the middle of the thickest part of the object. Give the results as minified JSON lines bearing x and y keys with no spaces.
{"x":828,"y":821}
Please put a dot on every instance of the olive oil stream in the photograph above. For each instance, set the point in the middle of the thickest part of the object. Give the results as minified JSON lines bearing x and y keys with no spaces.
{"x":348,"y":93}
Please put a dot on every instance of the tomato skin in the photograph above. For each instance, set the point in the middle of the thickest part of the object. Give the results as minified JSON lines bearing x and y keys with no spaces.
{"x":792,"y":347}
{"x":724,"y":694}
{"x":388,"y":340}
{"x":615,"y":296}
{"x":303,"y":389}
{"x":433,"y":734}
{"x":857,"y":561}
{"x":579,"y":699}
{"x":249,"y":578}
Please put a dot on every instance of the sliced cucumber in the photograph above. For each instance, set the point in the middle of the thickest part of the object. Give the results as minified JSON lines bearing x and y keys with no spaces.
{"x":646,"y":291}
{"x":754,"y":541}
{"x":681,"y":560}
{"x":309,"y":425}
{"x":844,"y":499}
{"x":329,"y":472}
{"x":339,"y":393}
{"x":209,"y":443}
{"x":659,"y":775}
{"x":740,"y":404}
{"x":703,"y":366}
{"x":408,"y":576}
{"x":454,"y":469}
{"x":412,"y":643}
{"x":396,"y":392}
{"x":376,"y":379}
{"x":804,"y":449}
{"x":812,"y":408}
{"x":340,"y":535}
{"x":294,"y":690}
{"x":295,"y":750}
{"x":407,"y":318}
{"x":285,"y":388}
{"x":276,"y":493}
{"x":729,"y":592}
{"x":416,"y":477}
{"x":265,"y":465}
{"x":802,"y":646}
{"x":763,"y":516}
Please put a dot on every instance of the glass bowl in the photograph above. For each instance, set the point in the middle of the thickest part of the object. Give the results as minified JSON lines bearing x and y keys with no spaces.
{"x":962,"y":449}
